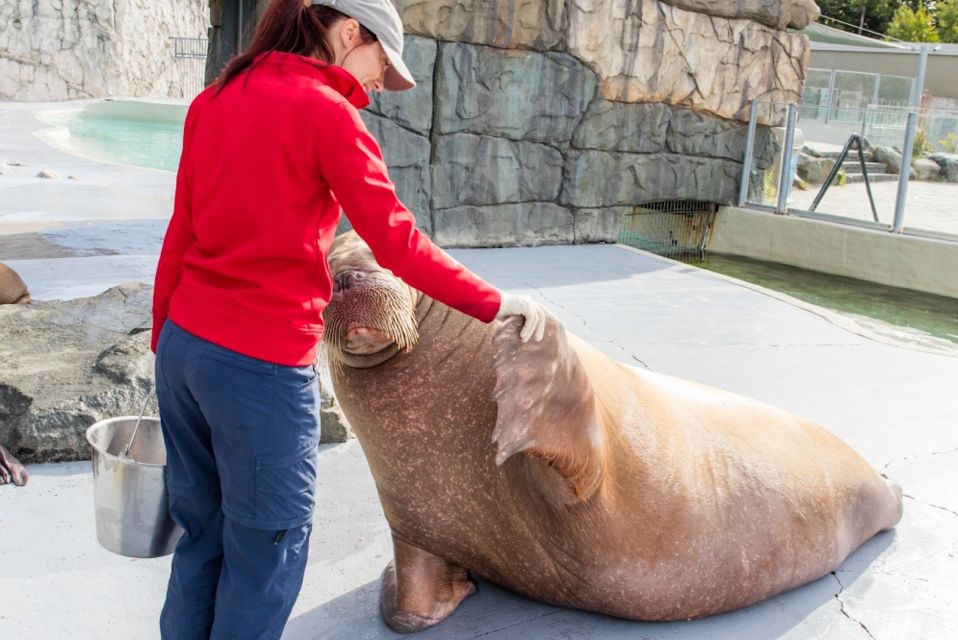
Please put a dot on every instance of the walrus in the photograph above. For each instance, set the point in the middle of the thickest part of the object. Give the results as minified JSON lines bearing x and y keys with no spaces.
{"x":12,"y":288}
{"x":11,"y":470}
{"x":560,"y":474}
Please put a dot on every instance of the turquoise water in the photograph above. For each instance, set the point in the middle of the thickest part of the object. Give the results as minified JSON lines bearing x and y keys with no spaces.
{"x":913,"y":310}
{"x":138,"y":142}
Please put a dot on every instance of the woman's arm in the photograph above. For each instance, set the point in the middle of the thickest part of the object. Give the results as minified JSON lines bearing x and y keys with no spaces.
{"x":354,"y":168}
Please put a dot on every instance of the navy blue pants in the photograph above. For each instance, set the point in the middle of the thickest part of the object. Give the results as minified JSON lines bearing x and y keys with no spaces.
{"x":241,"y":438}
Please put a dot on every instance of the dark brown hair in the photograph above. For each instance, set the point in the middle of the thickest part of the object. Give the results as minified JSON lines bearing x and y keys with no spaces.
{"x":292,"y":26}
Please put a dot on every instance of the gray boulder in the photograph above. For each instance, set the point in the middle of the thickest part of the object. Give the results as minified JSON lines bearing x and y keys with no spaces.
{"x":949,"y":165}
{"x":925,"y":169}
{"x":522,"y":95}
{"x":888,"y":156}
{"x":334,"y":425}
{"x":68,"y":364}
{"x":814,"y":170}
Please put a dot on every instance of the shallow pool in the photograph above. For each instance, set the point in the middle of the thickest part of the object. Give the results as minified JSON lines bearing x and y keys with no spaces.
{"x":132,"y":132}
{"x":919,"y":312}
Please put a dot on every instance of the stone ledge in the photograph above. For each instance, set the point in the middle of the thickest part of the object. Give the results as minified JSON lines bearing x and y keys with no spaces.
{"x":527,"y":224}
{"x":596,"y":179}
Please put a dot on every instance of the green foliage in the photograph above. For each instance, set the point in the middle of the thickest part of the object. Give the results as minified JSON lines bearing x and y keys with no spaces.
{"x":949,"y":144}
{"x":913,"y":25}
{"x":878,"y":13}
{"x":920,"y":145}
{"x":946,"y":15}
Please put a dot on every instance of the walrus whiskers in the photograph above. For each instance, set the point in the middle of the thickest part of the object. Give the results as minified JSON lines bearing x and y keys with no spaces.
{"x":363,"y":306}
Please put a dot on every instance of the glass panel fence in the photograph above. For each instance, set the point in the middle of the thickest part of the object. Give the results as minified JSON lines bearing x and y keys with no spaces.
{"x":931,"y":204}
{"x":881,"y":133}
{"x":765,"y":169}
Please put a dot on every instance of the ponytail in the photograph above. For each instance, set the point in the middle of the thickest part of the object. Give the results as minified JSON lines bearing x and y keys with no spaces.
{"x":291,"y":26}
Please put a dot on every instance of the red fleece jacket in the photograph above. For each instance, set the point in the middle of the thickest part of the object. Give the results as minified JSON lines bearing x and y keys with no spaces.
{"x":267,"y":165}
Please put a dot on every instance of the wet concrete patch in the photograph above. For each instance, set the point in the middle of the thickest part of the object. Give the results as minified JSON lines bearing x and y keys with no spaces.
{"x":30,"y":246}
{"x":84,"y":239}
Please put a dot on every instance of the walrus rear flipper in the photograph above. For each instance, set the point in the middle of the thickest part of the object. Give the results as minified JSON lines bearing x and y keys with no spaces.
{"x":547,"y":411}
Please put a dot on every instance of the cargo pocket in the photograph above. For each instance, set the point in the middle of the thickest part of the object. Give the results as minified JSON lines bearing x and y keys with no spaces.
{"x":285,"y":489}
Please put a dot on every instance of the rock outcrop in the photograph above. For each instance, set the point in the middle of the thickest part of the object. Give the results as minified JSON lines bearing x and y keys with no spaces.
{"x":68,"y":364}
{"x":649,"y":51}
{"x":949,"y":165}
{"x":779,"y":15}
{"x":926,"y":169}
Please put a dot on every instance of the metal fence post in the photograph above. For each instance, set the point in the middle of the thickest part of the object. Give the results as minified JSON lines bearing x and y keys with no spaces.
{"x":749,"y":149}
{"x":785,"y":179}
{"x":831,"y":95}
{"x":919,"y":88}
{"x":904,"y":172}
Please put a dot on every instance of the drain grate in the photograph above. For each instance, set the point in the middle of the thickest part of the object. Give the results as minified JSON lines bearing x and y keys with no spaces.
{"x":676,"y":228}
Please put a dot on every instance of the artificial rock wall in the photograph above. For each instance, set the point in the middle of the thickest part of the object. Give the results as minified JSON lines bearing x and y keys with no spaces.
{"x":543,"y":121}
{"x":535,"y":121}
{"x":64,"y":49}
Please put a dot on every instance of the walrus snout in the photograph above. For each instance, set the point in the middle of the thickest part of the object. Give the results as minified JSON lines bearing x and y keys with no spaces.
{"x":370,"y":310}
{"x":345,"y":279}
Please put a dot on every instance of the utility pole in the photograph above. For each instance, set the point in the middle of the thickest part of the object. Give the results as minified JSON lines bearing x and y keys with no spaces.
{"x":861,"y":21}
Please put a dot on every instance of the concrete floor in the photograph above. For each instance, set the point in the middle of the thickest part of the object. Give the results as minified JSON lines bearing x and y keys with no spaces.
{"x":894,"y":403}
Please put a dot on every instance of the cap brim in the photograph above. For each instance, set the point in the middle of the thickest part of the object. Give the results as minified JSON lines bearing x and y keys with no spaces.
{"x":397,"y":76}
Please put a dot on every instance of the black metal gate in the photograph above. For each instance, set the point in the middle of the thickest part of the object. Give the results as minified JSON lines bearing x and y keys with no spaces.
{"x":189,"y":55}
{"x":676,"y":228}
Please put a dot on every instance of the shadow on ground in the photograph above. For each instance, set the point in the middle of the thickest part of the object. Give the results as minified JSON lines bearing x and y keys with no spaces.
{"x":496,"y":613}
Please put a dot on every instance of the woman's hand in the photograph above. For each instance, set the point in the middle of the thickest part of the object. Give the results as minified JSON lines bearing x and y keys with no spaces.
{"x":534,"y":316}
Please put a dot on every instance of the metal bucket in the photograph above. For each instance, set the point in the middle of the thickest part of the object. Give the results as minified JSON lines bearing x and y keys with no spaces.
{"x":130,"y":492}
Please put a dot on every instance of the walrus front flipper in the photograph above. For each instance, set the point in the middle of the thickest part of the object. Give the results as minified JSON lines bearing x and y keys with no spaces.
{"x":420,"y":589}
{"x":547,"y":411}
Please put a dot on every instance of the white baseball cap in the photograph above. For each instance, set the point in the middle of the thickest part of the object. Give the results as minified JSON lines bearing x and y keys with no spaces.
{"x":380,"y":17}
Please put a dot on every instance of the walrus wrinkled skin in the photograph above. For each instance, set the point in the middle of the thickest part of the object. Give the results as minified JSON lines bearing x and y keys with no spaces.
{"x":12,"y":288}
{"x":11,"y":470}
{"x":551,"y":470}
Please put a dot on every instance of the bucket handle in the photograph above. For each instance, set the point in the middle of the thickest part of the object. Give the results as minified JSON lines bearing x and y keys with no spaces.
{"x":129,"y":445}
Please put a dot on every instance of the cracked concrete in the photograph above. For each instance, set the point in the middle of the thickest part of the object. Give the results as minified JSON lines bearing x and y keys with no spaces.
{"x":841,"y":604}
{"x":893,"y":403}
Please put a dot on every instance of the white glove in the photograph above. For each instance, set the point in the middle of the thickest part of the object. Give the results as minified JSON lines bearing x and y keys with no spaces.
{"x":534,"y":317}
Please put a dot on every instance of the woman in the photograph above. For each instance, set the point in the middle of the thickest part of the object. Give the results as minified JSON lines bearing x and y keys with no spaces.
{"x":271,"y":152}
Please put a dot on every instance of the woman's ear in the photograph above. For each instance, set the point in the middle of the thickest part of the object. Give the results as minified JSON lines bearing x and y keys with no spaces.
{"x":349,"y":33}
